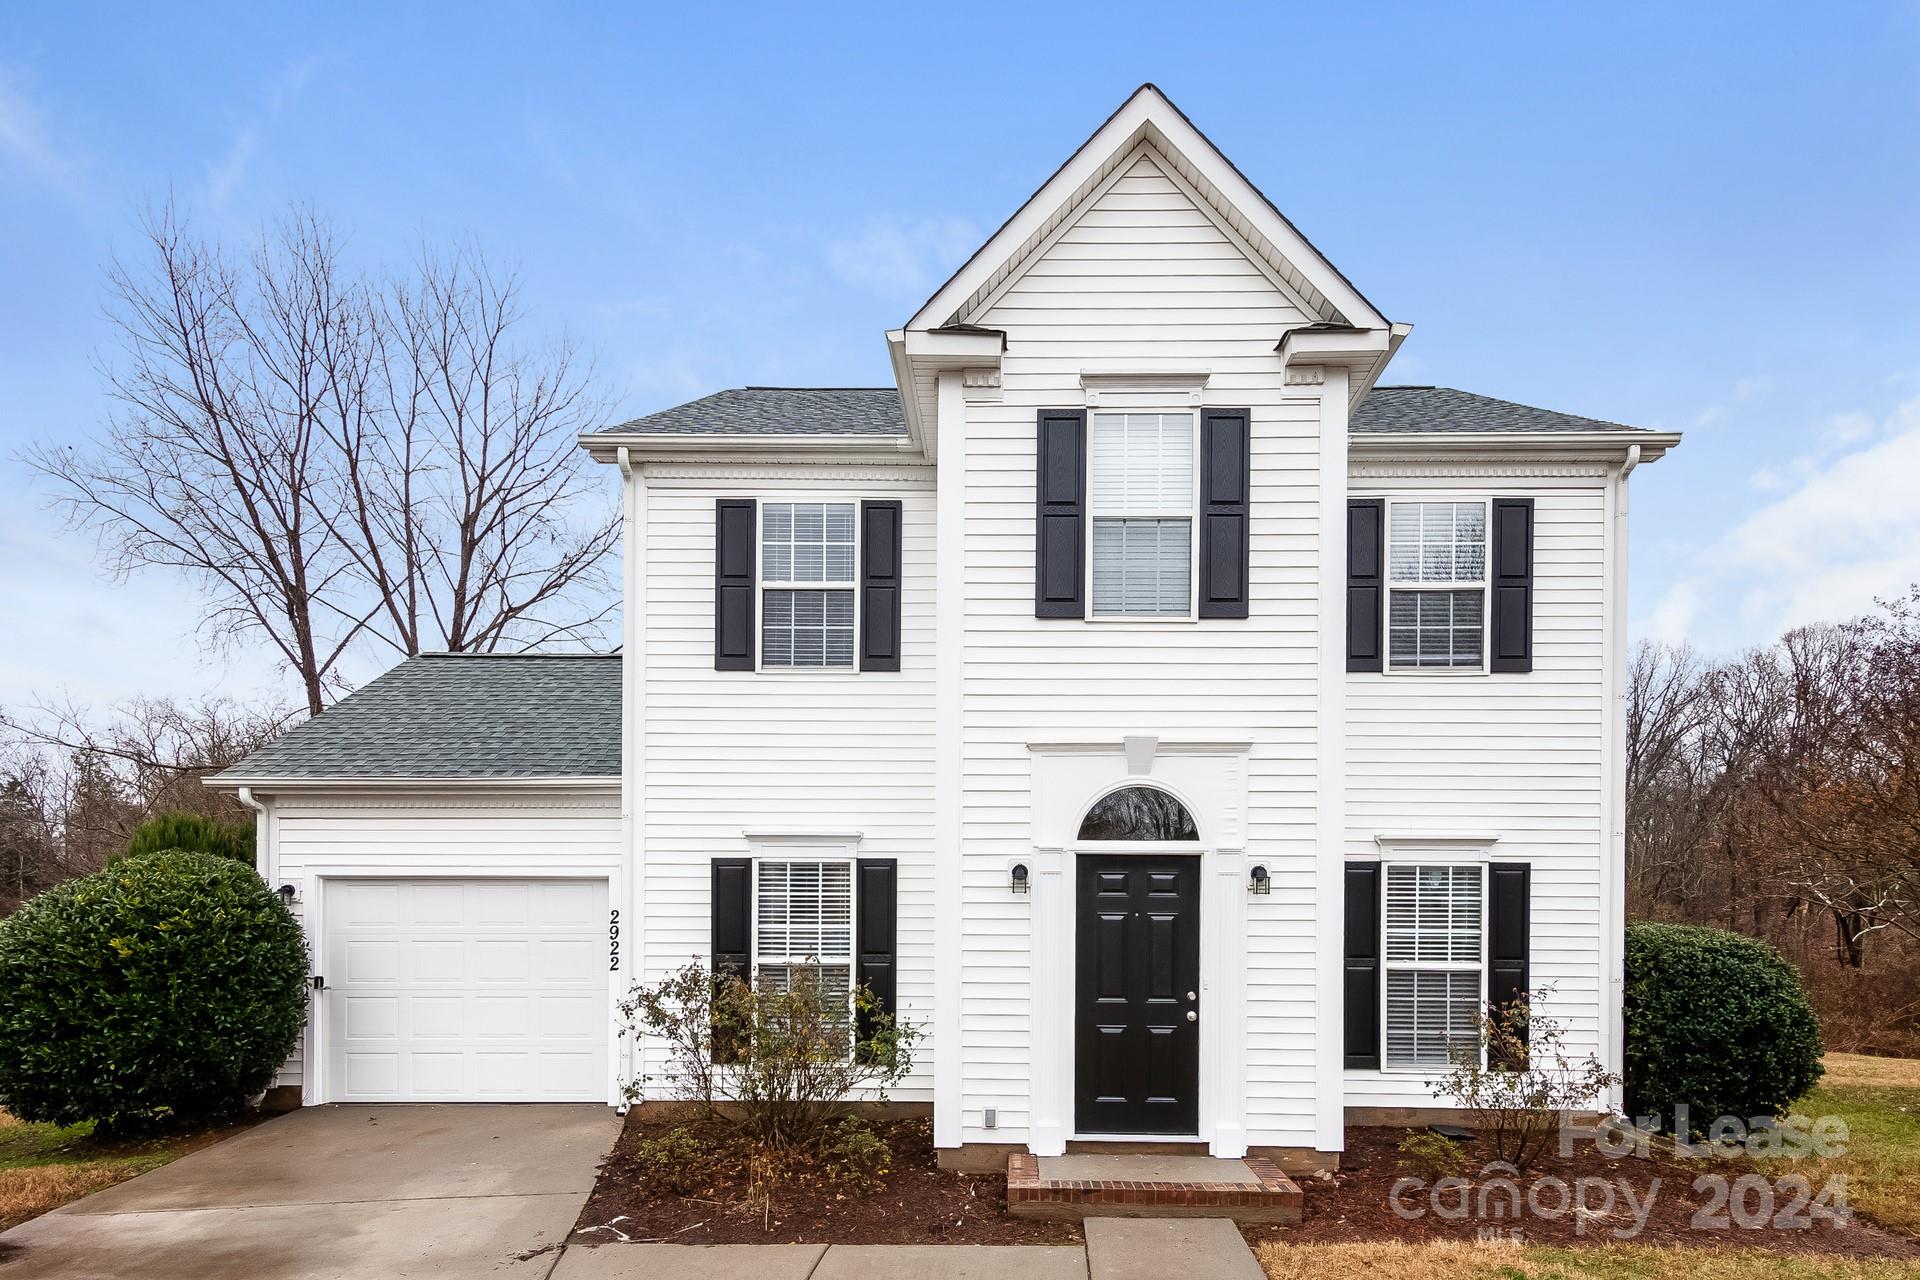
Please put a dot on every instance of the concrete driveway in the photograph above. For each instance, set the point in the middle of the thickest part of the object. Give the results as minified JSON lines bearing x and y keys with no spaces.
{"x":335,"y":1192}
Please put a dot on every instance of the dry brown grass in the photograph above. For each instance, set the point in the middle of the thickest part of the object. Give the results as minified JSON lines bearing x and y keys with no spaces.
{"x":28,"y":1193}
{"x":1848,"y":1069}
{"x":1462,"y":1261}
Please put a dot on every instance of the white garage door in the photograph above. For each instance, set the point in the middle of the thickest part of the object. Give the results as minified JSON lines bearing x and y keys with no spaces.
{"x":466,"y":990}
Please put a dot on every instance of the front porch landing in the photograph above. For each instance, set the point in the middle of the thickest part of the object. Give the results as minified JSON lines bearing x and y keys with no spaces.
{"x":1075,"y":1187}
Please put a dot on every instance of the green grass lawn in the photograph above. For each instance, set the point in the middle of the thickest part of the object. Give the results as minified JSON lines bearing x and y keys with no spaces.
{"x":1535,"y":1262}
{"x":44,"y":1166}
{"x":1879,"y":1098}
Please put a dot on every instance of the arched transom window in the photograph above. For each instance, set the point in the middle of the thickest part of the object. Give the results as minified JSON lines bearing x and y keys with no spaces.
{"x":1138,"y":813}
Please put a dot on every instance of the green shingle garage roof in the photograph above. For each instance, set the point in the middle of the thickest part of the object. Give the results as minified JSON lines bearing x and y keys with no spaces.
{"x":460,"y":716}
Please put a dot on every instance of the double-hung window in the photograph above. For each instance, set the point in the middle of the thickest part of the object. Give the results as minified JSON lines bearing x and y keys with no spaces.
{"x":807,"y":584}
{"x":1142,"y":505}
{"x":1437,"y":585}
{"x":1435,"y":962}
{"x":803,"y":915}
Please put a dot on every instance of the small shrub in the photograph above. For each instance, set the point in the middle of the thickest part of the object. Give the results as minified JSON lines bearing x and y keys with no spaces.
{"x":673,"y":1161}
{"x":1518,"y":1109}
{"x":167,"y":988}
{"x":857,"y":1156}
{"x":1430,"y":1156}
{"x":1715,"y":1021}
{"x":789,"y":1059}
{"x":191,"y":831}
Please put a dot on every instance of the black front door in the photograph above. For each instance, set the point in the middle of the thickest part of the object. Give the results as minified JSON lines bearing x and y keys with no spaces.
{"x":1137,"y":1006}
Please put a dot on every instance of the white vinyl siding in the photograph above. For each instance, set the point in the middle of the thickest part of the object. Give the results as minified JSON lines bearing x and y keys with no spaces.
{"x":1523,"y":758}
{"x":1142,"y":506}
{"x":1141,"y":278}
{"x":1434,"y":949}
{"x":806,"y":551}
{"x":1437,"y":584}
{"x":727,"y":757}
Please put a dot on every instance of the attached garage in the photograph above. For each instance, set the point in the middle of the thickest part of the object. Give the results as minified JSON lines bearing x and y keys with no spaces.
{"x":451,"y":837}
{"x":466,"y":990}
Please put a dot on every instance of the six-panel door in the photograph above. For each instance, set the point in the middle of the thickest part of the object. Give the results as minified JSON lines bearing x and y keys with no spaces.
{"x":1137,"y":1032}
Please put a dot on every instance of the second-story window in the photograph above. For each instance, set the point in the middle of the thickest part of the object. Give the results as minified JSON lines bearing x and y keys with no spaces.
{"x":806,"y":584}
{"x":1142,"y":506}
{"x":1436,"y":584}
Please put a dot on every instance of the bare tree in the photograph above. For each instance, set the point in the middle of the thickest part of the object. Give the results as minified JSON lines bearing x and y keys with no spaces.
{"x":463,"y":489}
{"x":74,"y":783}
{"x":335,"y":462}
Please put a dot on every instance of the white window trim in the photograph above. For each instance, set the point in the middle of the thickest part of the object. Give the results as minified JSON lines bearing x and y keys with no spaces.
{"x":1389,"y":587}
{"x":1428,"y":1070}
{"x":796,"y":856}
{"x":762,"y":584}
{"x":1191,"y":515}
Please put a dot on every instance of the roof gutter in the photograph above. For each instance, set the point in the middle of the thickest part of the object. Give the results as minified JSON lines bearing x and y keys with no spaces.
{"x":275,"y":784}
{"x":1642,"y":446}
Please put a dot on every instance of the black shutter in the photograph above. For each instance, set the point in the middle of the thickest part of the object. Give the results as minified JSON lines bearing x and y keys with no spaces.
{"x":880,"y":586}
{"x":732,"y":941}
{"x":1512,"y":583}
{"x":733,"y":584}
{"x":1226,"y":460}
{"x":1060,"y":486}
{"x":1509,"y":893}
{"x":1365,"y":586}
{"x":1362,"y":1004}
{"x":874,"y":946}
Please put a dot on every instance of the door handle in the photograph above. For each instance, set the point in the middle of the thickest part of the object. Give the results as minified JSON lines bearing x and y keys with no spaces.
{"x":1192,"y":996}
{"x":1192,"y":1016}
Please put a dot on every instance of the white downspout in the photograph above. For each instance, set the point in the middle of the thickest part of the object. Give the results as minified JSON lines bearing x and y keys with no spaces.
{"x":1615,"y":921}
{"x":263,"y":861}
{"x":627,"y":892}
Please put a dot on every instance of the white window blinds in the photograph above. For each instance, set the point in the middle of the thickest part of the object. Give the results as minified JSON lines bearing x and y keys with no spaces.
{"x":1142,"y":507}
{"x":1433,"y":951}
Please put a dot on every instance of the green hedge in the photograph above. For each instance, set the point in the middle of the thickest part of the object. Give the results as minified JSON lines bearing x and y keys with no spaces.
{"x":165,"y":989}
{"x":191,"y":831}
{"x":1717,"y":1021}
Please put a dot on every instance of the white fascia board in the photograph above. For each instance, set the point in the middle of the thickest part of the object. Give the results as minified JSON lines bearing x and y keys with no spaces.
{"x":1150,"y":112}
{"x":643,"y":447}
{"x":1364,"y":349}
{"x":272,"y":784}
{"x":1603,"y":446}
{"x":920,"y":356}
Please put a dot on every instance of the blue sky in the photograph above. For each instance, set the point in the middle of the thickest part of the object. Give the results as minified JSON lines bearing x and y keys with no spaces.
{"x":1700,"y":217}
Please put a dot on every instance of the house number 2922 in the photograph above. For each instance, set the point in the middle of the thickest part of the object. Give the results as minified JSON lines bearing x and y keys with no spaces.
{"x":613,"y":942}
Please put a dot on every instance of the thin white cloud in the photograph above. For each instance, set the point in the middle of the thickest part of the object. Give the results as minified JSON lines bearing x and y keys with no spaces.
{"x":892,"y":256}
{"x":26,"y":137}
{"x":225,"y":176}
{"x":1843,"y":532}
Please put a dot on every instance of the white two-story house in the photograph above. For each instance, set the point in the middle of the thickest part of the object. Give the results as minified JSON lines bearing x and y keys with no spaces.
{"x":1190,"y":732}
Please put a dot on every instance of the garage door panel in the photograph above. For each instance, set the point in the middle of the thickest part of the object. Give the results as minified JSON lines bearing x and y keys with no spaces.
{"x":467,"y":990}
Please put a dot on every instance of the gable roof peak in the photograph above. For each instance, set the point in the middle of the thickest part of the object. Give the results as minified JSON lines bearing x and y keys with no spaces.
{"x":1150,"y":119}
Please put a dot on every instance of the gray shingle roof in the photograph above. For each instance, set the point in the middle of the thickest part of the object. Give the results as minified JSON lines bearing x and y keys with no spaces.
{"x":462,"y":716}
{"x":1424,"y":409}
{"x":875,"y":411}
{"x":779,"y":411}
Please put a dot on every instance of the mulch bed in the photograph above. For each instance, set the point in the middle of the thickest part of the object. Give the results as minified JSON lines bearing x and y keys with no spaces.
{"x":1354,"y":1205}
{"x":917,"y":1202}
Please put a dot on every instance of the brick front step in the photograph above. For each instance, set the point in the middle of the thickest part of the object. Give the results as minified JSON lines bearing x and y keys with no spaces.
{"x":1074,"y":1187}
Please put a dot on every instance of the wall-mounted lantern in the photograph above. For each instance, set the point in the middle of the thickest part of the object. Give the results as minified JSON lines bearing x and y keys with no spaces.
{"x":1019,"y":878}
{"x":1258,"y":881}
{"x":288,"y":894}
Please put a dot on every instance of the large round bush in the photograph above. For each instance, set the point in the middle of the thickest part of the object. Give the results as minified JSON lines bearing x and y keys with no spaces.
{"x":166,"y":988}
{"x":1717,"y":1021}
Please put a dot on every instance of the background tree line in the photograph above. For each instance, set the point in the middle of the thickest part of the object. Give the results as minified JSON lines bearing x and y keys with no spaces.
{"x":1776,"y":794}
